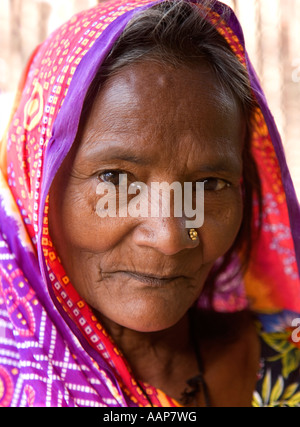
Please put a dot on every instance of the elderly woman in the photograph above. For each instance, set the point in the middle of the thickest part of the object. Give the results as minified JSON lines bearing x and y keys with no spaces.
{"x":142,"y":310}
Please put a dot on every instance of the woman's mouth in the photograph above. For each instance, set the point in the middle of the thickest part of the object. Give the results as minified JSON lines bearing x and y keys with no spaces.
{"x":152,"y":280}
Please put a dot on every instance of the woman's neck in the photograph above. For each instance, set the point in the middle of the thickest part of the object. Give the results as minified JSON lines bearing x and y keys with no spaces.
{"x":153,"y":356}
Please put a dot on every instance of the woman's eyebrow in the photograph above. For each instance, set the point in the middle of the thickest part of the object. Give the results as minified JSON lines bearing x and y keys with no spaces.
{"x":115,"y":153}
{"x":223,"y":165}
{"x":130,"y":158}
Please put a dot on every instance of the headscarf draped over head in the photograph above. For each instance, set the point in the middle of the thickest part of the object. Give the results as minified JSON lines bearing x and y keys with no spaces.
{"x":53,"y":351}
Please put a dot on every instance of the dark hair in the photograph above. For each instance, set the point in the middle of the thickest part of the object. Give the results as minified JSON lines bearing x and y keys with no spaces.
{"x":177,"y":32}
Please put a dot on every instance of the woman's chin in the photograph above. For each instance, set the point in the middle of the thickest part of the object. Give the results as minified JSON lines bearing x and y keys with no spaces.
{"x":144,"y":321}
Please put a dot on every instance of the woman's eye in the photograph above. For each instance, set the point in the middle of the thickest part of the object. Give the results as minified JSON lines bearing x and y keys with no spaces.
{"x":215,"y":184}
{"x":113,"y":177}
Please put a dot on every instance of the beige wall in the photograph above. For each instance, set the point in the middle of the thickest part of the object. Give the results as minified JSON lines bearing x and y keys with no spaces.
{"x":272,"y":32}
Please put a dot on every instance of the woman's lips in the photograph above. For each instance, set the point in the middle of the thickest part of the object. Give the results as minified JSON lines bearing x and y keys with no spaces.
{"x":158,"y":281}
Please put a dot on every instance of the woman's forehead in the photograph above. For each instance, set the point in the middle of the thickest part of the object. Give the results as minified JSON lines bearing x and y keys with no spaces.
{"x":162,"y":104}
{"x":154,"y":81}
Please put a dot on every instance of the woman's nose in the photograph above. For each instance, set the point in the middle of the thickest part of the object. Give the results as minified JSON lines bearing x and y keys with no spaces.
{"x":167,"y":235}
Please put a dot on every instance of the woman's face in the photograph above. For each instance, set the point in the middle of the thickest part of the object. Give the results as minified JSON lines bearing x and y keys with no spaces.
{"x":153,"y":123}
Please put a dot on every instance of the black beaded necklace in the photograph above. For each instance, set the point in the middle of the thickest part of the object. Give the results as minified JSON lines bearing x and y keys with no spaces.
{"x":196,"y":384}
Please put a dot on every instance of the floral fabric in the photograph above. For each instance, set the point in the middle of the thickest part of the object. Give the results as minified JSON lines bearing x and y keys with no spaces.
{"x":279,"y":379}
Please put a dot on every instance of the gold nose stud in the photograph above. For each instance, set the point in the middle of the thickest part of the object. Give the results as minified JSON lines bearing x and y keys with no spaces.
{"x":193,"y":234}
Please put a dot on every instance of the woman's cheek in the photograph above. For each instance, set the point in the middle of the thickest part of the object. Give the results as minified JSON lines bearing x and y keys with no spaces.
{"x":222,"y":222}
{"x":84,"y":229}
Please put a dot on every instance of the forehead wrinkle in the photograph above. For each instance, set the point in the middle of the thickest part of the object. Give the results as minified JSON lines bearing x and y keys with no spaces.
{"x":201,"y":156}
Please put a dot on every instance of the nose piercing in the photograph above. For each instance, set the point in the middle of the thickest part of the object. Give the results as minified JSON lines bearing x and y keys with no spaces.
{"x":193,"y":234}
